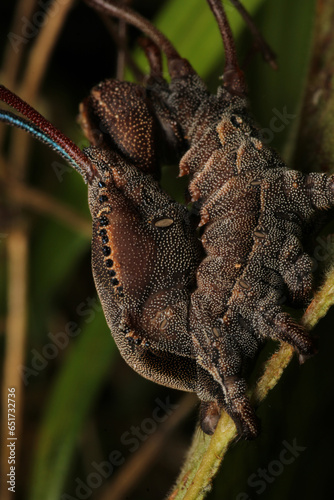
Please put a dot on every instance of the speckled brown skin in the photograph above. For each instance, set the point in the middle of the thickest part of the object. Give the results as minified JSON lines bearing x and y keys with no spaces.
{"x":255,"y":215}
{"x":254,"y":212}
{"x":145,"y":250}
{"x":144,"y":257}
{"x":118,"y":116}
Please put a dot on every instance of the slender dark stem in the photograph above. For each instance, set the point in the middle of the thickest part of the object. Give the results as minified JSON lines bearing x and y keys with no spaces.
{"x":234,"y":79}
{"x":122,"y":46}
{"x":178,"y":67}
{"x":135,"y":19}
{"x":260,"y":42}
{"x":153,"y":55}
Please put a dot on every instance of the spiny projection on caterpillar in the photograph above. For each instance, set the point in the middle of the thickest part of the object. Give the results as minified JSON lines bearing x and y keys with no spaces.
{"x":187,"y":313}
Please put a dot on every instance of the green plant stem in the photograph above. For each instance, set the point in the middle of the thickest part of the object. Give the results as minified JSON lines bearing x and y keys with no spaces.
{"x":315,"y":146}
{"x":207,"y":453}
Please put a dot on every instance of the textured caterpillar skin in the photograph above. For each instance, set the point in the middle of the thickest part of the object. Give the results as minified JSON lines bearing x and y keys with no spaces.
{"x":145,"y":250}
{"x":144,"y":257}
{"x":256,"y":215}
{"x":118,"y":116}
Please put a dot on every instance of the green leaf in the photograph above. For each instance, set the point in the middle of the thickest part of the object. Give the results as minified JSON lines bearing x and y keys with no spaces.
{"x":71,"y":399}
{"x":194,"y":34}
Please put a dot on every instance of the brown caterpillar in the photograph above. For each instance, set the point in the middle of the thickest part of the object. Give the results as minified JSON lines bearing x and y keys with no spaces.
{"x":191,"y":335}
{"x":255,"y":212}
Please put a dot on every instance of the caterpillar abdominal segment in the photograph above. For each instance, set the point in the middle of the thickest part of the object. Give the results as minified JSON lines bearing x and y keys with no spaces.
{"x":255,"y":213}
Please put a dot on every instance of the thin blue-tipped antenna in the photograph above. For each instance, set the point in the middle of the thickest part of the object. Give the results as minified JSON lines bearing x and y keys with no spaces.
{"x":40,"y":128}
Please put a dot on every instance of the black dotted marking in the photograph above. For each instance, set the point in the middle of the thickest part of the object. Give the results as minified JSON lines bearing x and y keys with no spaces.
{"x":104,"y":221}
{"x":109,"y":263}
{"x":102,"y":184}
{"x":114,"y":281}
{"x":105,"y":240}
{"x":106,"y":251}
{"x":102,"y":232}
{"x":103,"y":198}
{"x":112,"y":273}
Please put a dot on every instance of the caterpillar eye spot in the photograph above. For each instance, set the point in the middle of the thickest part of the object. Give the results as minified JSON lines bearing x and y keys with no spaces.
{"x":163,"y":324}
{"x":163,"y":223}
{"x":256,"y":182}
{"x":216,"y":331}
{"x":244,"y":285}
{"x":259,"y":234}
